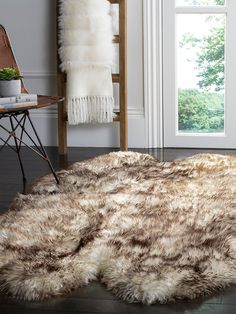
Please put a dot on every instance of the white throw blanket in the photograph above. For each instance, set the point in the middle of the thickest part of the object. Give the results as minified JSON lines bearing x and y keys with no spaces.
{"x":86,"y":53}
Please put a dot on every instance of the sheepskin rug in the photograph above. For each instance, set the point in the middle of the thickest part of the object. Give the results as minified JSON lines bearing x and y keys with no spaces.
{"x":150,"y":231}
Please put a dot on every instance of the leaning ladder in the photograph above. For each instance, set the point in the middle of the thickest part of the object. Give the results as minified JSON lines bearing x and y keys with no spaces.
{"x":119,"y":78}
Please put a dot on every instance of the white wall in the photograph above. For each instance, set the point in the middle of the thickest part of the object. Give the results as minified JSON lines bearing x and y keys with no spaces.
{"x":31,"y":25}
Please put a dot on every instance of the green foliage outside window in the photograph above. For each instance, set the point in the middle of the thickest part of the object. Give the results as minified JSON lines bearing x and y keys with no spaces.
{"x":200,"y":112}
{"x":203,"y":2}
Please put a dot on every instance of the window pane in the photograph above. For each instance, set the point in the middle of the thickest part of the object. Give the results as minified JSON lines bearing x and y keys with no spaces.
{"x":201,"y":73}
{"x":200,"y":2}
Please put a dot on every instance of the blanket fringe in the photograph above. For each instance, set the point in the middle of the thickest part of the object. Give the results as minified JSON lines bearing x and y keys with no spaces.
{"x":90,"y":109}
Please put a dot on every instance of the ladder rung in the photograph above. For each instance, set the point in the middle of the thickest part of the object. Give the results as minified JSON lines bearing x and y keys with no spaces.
{"x":114,"y":1}
{"x":117,"y":117}
{"x":116,"y":78}
{"x":116,"y":39}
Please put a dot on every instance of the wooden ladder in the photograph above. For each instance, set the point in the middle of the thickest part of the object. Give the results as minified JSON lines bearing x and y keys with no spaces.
{"x":120,"y":78}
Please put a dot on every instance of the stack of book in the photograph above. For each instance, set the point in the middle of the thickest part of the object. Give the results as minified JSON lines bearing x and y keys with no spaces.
{"x":19,"y":101}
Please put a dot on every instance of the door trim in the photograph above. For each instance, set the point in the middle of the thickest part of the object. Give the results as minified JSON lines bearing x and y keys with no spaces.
{"x":152,"y":39}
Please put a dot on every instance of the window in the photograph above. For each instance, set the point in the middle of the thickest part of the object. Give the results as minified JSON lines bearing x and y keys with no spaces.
{"x":199,"y":55}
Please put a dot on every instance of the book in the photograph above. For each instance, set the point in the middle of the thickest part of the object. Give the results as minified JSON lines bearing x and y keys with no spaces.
{"x":18,"y":105}
{"x":7,"y":100}
{"x":26,"y":97}
{"x":18,"y":99}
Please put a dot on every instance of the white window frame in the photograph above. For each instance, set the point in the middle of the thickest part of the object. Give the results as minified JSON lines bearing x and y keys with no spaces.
{"x":155,"y":91}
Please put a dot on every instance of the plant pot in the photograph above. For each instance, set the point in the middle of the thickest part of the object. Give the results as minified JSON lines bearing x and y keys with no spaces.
{"x":10,"y":88}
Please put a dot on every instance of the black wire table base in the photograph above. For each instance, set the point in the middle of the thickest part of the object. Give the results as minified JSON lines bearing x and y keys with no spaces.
{"x":18,"y":120}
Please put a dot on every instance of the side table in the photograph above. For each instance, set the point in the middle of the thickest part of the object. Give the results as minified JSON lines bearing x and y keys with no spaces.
{"x":18,"y":117}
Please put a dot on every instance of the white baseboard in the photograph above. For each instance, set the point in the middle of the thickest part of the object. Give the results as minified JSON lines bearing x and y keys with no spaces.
{"x":97,"y":135}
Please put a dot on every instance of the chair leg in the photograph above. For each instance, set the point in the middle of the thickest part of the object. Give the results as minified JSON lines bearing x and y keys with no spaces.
{"x":18,"y":146}
{"x":43,"y":150}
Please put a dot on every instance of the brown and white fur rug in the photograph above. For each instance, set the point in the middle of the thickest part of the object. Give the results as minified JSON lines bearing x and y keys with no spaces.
{"x":150,"y":231}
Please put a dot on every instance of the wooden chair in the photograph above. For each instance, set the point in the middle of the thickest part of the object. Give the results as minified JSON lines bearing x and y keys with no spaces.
{"x":18,"y":117}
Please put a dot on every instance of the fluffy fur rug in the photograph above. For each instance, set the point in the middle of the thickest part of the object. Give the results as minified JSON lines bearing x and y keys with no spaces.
{"x":150,"y":231}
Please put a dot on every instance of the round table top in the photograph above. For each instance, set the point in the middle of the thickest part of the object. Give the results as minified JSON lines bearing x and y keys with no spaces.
{"x":43,"y":101}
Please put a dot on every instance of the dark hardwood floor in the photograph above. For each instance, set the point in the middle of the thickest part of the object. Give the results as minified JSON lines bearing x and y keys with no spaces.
{"x":95,"y":298}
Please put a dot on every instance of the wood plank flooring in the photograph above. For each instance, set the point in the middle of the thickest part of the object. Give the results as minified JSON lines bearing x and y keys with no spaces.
{"x":95,"y":298}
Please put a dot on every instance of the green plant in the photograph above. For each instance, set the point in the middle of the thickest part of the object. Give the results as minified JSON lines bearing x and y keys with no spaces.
{"x":9,"y":74}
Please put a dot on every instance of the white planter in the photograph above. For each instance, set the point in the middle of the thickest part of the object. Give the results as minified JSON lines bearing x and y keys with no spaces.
{"x":10,"y":88}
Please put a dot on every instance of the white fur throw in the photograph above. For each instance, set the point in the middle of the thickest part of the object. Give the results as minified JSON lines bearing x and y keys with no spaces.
{"x":86,"y":53}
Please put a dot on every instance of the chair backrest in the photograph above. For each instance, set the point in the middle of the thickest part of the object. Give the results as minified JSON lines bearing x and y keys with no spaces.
{"x":7,"y":58}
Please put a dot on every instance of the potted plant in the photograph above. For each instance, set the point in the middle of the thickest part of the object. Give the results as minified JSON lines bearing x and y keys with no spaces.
{"x":10,"y":82}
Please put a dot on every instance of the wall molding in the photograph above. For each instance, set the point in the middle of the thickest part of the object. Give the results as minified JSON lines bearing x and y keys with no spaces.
{"x":152,"y":34}
{"x":133,"y":113}
{"x":38,"y":74}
